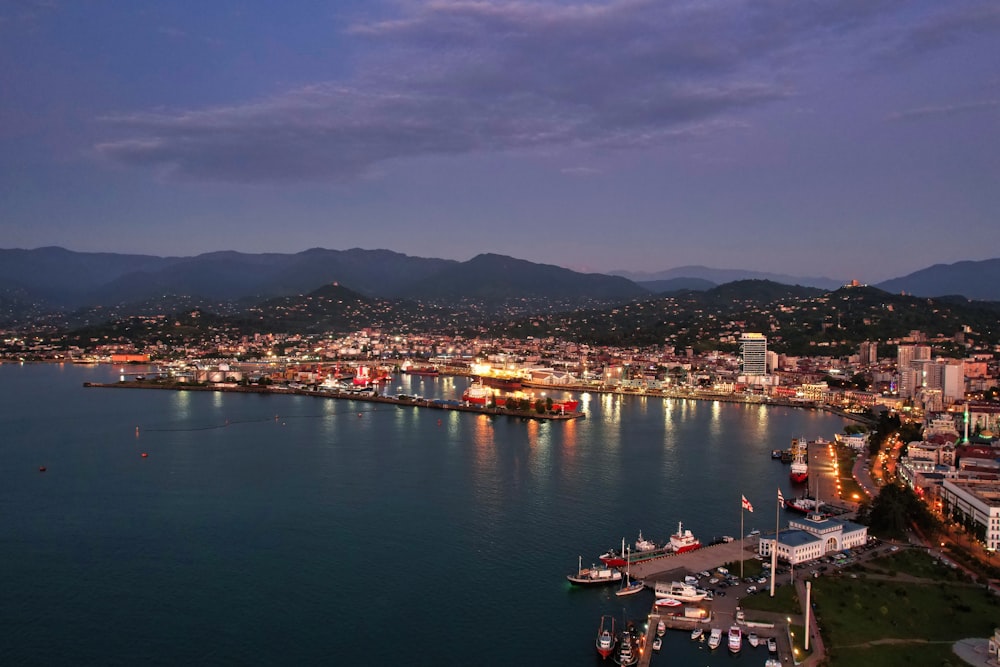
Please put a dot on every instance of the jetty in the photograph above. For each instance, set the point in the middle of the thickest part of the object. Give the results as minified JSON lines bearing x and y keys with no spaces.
{"x":367,"y":397}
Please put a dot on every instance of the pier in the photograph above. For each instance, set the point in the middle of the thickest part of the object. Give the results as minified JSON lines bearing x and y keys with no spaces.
{"x":367,"y":397}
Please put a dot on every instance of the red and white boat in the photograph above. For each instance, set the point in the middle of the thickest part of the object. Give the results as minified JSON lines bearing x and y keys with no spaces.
{"x":606,"y":638}
{"x":683,"y":541}
{"x":594,"y":576}
{"x":799,"y":472}
{"x":804,"y":505}
{"x":735,"y":639}
{"x":482,"y":395}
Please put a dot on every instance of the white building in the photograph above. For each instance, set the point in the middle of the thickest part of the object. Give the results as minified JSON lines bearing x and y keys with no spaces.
{"x":813,"y":537}
{"x":974,"y":503}
{"x":753,"y":354}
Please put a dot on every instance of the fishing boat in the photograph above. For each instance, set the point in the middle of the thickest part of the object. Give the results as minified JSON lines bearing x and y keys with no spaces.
{"x":628,"y":649}
{"x":735,"y":642}
{"x":678,"y":590}
{"x":683,"y":541}
{"x":714,"y":638}
{"x":606,"y":639}
{"x":629,"y":587}
{"x":594,"y":576}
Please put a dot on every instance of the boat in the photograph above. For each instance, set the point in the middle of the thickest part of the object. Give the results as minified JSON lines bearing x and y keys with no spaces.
{"x":714,"y":638}
{"x":616,"y":558}
{"x":657,"y":644}
{"x":629,"y":587}
{"x":799,"y":470}
{"x":772,"y":645}
{"x":772,"y":662}
{"x":804,"y":505}
{"x":683,"y":541}
{"x":735,"y":642}
{"x":413,"y":369}
{"x":500,"y":382}
{"x":628,"y":649}
{"x":594,"y":576}
{"x":481,"y":395}
{"x":678,"y":590}
{"x":775,"y":453}
{"x":661,"y":628}
{"x":697,"y":633}
{"x":753,"y":639}
{"x":606,"y":639}
{"x":665,"y":603}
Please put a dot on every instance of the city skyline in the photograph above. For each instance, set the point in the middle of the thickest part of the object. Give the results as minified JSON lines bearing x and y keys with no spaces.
{"x":847,"y":140}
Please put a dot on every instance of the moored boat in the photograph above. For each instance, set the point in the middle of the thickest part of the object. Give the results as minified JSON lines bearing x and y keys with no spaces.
{"x":715,"y":638}
{"x":667,"y":603}
{"x":678,"y":590}
{"x":772,"y":645}
{"x":606,"y":638}
{"x":629,"y":586}
{"x":804,"y":505}
{"x":683,"y":541}
{"x":753,"y":639}
{"x":628,"y":648}
{"x":661,"y":628}
{"x":616,"y":558}
{"x":799,"y":470}
{"x":657,"y":644}
{"x":697,"y":633}
{"x":735,"y":642}
{"x":594,"y":576}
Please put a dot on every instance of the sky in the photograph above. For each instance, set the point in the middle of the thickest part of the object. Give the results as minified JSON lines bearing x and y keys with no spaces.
{"x":850,"y":139}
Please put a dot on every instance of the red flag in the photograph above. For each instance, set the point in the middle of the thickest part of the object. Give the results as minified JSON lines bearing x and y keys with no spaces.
{"x":746,"y":504}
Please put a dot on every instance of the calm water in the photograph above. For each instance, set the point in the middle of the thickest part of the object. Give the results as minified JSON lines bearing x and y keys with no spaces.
{"x":276,"y":530}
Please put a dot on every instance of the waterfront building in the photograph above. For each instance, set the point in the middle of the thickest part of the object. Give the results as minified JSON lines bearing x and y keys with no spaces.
{"x":813,"y":537}
{"x":753,"y":354}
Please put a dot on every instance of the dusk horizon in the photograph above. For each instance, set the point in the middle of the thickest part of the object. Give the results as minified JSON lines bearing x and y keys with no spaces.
{"x":847,"y":141}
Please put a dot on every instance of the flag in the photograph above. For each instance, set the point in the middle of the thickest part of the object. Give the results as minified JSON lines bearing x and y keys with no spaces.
{"x":746,"y":504}
{"x":781,"y":498}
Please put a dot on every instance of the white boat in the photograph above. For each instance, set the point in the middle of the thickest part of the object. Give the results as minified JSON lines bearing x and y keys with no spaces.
{"x":666,"y":603}
{"x":714,"y":638}
{"x":645,"y":545}
{"x":657,"y":644}
{"x":661,"y":629}
{"x":594,"y":576}
{"x":678,"y":590}
{"x":753,"y":639}
{"x":697,"y":633}
{"x":735,"y":639}
{"x":772,"y":662}
{"x":772,"y":645}
{"x":629,"y":587}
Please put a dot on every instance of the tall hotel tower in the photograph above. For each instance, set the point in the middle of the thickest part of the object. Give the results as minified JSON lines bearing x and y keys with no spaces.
{"x":753,"y":354}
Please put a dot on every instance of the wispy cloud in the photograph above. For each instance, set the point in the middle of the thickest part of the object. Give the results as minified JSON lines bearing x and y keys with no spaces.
{"x":450,"y":77}
{"x":945,"y":110}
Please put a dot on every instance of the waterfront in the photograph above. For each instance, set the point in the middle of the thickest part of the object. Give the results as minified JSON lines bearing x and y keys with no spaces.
{"x":267,"y":529}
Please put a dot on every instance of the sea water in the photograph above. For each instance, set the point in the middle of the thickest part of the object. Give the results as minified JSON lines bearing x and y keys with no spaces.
{"x":278,"y":530}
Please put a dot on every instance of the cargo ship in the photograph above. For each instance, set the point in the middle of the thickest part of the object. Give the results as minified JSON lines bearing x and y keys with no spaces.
{"x":482,"y":395}
{"x":413,"y":369}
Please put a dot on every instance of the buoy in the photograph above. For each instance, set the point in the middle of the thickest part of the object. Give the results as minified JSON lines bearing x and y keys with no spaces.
{"x":359,"y":414}
{"x":144,"y":455}
{"x":41,"y":468}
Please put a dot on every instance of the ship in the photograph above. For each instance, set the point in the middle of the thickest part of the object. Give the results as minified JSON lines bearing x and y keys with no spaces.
{"x":799,"y":471}
{"x":804,"y":505}
{"x":413,"y":369}
{"x":501,"y":382}
{"x":606,"y":639}
{"x":594,"y":576}
{"x":645,"y":550}
{"x":683,"y":541}
{"x":481,"y":395}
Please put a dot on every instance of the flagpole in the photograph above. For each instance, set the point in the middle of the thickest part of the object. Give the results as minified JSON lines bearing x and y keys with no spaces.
{"x":742,"y":505}
{"x":774,"y":546}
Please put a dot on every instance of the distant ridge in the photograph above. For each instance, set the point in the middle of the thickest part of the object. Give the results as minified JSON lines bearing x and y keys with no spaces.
{"x":721,"y":276}
{"x":974,"y":280}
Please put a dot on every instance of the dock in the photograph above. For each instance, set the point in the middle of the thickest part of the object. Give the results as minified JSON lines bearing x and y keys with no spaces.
{"x":409,"y":401}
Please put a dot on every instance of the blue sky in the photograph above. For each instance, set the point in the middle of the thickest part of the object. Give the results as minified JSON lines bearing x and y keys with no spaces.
{"x":840,"y":138}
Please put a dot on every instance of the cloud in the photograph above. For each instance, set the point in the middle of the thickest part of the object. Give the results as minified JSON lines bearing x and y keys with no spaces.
{"x":452,"y":77}
{"x":945,"y":110}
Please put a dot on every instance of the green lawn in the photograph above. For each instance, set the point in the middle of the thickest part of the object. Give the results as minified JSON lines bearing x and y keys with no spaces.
{"x":785,"y":601}
{"x":855,"y":611}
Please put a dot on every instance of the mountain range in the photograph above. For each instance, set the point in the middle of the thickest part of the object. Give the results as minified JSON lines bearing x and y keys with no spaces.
{"x":52,"y":279}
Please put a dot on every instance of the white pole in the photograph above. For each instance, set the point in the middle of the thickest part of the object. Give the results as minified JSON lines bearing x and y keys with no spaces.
{"x":741,"y":537}
{"x":808,"y":609}
{"x":774,"y":548}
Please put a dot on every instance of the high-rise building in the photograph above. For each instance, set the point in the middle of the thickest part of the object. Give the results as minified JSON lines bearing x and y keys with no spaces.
{"x":910,"y":376}
{"x":868,"y":353}
{"x":753,"y":354}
